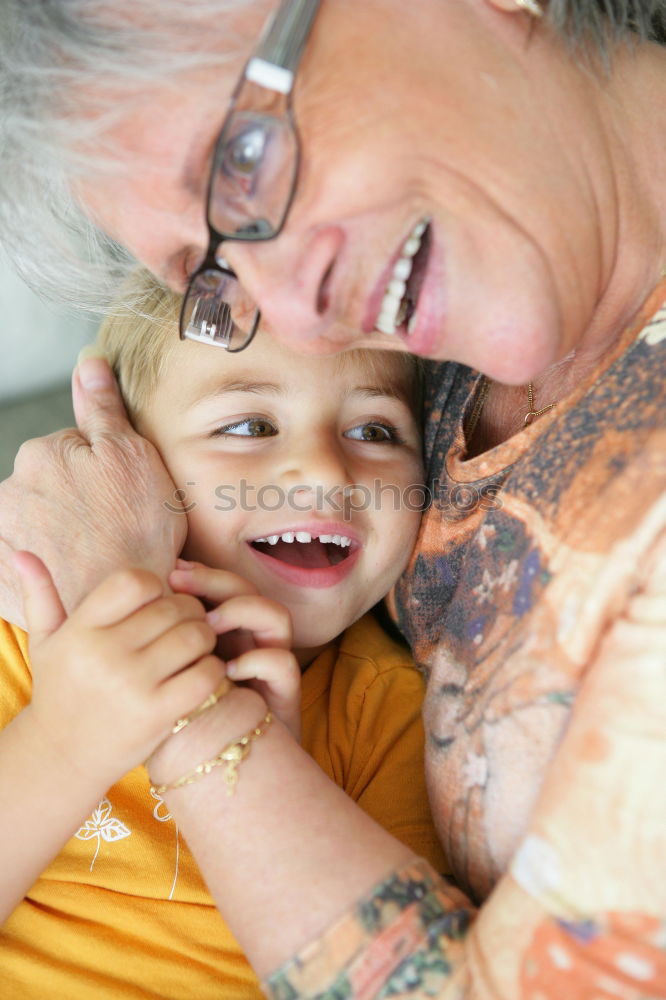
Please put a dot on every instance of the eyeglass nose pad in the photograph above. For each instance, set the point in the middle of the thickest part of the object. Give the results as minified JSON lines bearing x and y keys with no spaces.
{"x":221,"y":260}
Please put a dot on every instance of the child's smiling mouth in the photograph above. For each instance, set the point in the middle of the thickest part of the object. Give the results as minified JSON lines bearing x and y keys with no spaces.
{"x":304,"y":550}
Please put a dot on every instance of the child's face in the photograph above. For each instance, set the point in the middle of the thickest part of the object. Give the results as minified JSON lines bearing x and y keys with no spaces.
{"x":266,"y":446}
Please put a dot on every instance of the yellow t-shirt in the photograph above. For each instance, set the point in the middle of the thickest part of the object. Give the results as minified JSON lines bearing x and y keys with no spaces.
{"x":123,"y":911}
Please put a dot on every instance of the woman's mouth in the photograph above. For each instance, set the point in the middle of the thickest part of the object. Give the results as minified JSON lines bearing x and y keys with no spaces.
{"x":397,"y":311}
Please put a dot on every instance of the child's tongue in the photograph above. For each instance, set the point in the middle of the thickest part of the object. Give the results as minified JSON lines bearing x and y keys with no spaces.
{"x":308,"y":555}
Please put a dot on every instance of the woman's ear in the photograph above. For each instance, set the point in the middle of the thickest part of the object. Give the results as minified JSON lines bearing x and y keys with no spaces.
{"x":532,"y":7}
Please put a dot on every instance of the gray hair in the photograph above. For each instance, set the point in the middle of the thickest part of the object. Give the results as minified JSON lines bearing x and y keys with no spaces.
{"x":68,"y":69}
{"x":595,"y":22}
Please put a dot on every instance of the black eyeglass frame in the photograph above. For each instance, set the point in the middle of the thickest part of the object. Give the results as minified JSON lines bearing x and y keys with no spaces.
{"x":276,"y":58}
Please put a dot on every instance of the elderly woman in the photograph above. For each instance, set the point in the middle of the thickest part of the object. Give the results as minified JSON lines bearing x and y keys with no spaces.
{"x":481,"y":182}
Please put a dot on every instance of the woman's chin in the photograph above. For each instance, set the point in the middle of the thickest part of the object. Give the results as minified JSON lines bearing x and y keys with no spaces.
{"x":519,"y":355}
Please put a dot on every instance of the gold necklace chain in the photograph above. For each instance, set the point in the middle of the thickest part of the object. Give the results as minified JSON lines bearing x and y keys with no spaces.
{"x":479,"y":403}
{"x":484,"y":383}
{"x":532,"y":414}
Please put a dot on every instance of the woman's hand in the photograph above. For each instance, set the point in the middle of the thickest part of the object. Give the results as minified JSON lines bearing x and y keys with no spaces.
{"x":103,"y":487}
{"x":110,"y":680}
{"x":255,"y":636}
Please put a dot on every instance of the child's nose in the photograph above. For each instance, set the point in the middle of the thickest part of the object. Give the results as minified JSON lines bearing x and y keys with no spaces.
{"x":316,"y":473}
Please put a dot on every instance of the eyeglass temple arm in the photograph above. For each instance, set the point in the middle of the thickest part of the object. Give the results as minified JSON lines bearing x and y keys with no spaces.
{"x":279,"y":52}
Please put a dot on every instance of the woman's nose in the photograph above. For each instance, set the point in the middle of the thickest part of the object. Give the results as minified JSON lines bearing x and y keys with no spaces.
{"x":290,"y":280}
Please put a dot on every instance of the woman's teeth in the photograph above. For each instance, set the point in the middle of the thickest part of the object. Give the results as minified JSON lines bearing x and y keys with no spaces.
{"x":395,"y":304}
{"x":305,"y":536}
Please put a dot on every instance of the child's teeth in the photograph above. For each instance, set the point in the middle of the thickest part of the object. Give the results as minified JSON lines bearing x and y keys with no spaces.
{"x":390,"y":313}
{"x":305,"y":537}
{"x":341,"y":540}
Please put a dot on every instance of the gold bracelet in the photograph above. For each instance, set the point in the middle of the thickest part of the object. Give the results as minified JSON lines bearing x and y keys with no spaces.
{"x":229,"y":757}
{"x":212,"y":699}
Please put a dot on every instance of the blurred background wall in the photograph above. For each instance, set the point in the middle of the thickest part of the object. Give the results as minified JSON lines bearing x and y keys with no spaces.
{"x":39,"y":344}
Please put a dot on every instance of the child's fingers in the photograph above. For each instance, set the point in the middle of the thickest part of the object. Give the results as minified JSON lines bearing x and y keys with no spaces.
{"x":268,"y":621}
{"x":233,"y":644}
{"x":276,"y":676}
{"x":43,"y":609}
{"x":215,"y":585}
{"x":277,"y":667}
{"x":152,"y":620}
{"x":178,"y":648}
{"x":118,"y":596}
{"x":183,"y":693}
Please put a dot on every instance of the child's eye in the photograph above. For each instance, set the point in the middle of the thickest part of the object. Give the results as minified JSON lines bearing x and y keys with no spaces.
{"x":250,"y":427}
{"x":373,"y":432}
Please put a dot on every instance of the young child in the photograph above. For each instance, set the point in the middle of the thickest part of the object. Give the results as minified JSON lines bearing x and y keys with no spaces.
{"x":299,"y":480}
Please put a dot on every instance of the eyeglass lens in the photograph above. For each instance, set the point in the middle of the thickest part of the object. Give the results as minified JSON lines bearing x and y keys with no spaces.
{"x":217,"y":310}
{"x":253,"y":176}
{"x":252,"y":182}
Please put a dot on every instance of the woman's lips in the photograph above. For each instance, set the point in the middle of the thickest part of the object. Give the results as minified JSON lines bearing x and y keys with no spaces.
{"x":395,"y":297}
{"x":426,"y":334}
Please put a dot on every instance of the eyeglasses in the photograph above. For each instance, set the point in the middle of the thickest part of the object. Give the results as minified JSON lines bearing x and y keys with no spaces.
{"x":252,"y":181}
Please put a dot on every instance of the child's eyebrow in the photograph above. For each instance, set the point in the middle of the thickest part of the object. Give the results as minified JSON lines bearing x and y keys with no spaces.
{"x":223,"y":388}
{"x":220,"y":387}
{"x":389,"y":391}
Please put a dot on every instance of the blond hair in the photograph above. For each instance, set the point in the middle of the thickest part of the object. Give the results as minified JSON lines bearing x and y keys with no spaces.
{"x":139,"y":335}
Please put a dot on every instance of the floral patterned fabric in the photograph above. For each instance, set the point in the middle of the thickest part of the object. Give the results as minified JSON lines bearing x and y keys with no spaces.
{"x":526,"y":556}
{"x":529,"y":565}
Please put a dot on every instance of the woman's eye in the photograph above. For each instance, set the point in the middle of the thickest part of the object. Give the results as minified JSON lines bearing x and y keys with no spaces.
{"x":373,"y":432}
{"x":244,"y":153}
{"x":252,"y":427}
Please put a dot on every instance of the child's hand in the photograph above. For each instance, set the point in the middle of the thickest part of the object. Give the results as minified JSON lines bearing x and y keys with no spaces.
{"x":257,"y":636}
{"x":110,"y":680}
